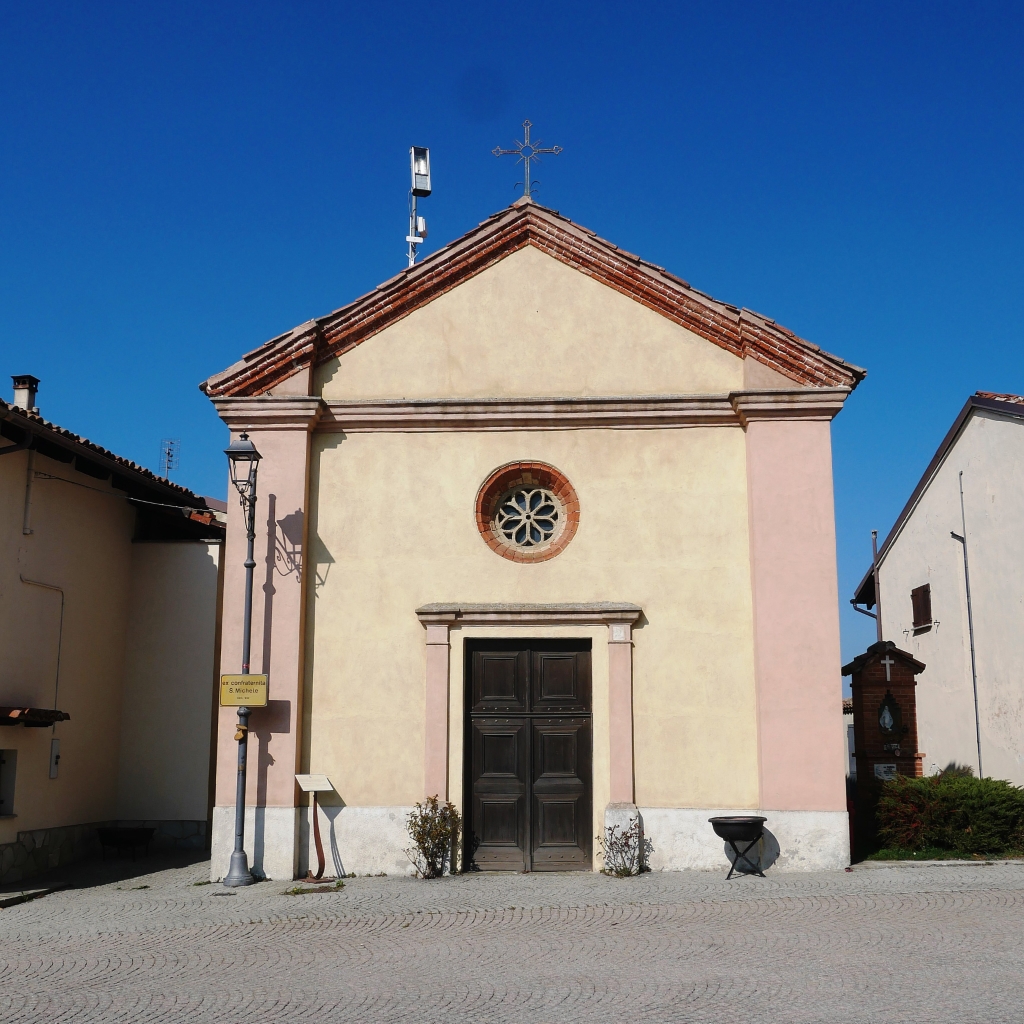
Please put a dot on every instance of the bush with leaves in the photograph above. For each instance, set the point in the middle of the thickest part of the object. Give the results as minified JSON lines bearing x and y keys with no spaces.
{"x":951,"y":811}
{"x":435,"y":829}
{"x":624,"y":850}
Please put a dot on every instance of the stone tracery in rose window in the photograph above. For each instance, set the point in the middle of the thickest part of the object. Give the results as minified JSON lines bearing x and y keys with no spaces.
{"x":528,"y":517}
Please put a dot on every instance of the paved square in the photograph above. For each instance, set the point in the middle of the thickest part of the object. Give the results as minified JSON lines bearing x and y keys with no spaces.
{"x":901,"y":944}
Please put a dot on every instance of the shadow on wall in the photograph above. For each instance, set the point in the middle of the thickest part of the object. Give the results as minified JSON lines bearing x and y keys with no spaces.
{"x":288,"y":544}
{"x":276,"y":717}
{"x":767,"y":853}
{"x":268,"y":583}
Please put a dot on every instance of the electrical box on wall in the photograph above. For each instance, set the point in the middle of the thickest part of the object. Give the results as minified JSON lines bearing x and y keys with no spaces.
{"x":8,"y":769}
{"x":54,"y":757}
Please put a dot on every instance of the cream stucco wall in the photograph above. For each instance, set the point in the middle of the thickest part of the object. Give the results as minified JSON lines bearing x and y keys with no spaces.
{"x":136,"y":654}
{"x":81,"y":543}
{"x":663,"y":525}
{"x":990,"y":452}
{"x":169,"y":681}
{"x":530,"y":326}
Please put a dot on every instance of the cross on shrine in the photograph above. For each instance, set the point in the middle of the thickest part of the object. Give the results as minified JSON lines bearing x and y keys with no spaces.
{"x":888,"y":663}
{"x":526,"y":151}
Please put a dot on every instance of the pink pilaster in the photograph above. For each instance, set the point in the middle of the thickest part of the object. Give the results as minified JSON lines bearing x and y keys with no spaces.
{"x":435,"y":765}
{"x":796,"y":604}
{"x":280,"y":427}
{"x":620,"y":712}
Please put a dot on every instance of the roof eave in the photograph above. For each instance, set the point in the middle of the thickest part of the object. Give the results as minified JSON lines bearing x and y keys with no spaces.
{"x":115,"y":465}
{"x":866,"y":585}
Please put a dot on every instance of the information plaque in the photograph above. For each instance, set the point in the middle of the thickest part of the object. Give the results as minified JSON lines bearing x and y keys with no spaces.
{"x":243,"y":691}
{"x":314,"y":783}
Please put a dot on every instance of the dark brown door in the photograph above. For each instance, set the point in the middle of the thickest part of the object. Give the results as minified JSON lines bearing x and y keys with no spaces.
{"x":529,"y":754}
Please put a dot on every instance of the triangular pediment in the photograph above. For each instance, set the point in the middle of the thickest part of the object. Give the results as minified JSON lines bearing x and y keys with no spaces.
{"x":740,"y":333}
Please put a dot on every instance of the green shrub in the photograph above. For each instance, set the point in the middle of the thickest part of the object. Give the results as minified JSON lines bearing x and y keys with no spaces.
{"x":434,"y":828}
{"x":951,"y":811}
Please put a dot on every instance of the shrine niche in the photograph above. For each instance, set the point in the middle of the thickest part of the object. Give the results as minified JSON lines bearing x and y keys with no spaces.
{"x":885,"y":712}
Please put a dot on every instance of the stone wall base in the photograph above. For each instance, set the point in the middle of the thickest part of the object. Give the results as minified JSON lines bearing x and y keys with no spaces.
{"x":682,"y":839}
{"x":373,"y":840}
{"x":280,"y":843}
{"x":359,"y":840}
{"x":42,"y":849}
{"x":271,"y":841}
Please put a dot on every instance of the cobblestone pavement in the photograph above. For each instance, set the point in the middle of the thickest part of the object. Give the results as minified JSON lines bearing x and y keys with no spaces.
{"x":922,"y":944}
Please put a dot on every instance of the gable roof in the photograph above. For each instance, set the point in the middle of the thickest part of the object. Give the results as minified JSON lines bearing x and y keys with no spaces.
{"x":1012,"y":405}
{"x":875,"y":652}
{"x":740,"y":331}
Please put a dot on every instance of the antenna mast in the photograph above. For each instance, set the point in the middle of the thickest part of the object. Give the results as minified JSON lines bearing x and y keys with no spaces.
{"x":169,"y":448}
{"x":419,"y":166}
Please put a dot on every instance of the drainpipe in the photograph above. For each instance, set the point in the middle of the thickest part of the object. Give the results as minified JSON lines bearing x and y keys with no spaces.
{"x":878,"y":589}
{"x":877,"y":613}
{"x":962,"y":538}
{"x":29,"y":476}
{"x":60,"y":631}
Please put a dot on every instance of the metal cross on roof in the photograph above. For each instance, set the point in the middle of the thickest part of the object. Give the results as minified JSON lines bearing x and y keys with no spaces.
{"x":527,"y":151}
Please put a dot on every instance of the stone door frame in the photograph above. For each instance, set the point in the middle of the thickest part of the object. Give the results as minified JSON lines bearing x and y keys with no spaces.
{"x":438,"y":620}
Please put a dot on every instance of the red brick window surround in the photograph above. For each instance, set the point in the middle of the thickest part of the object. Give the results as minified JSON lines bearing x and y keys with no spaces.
{"x":527,"y":511}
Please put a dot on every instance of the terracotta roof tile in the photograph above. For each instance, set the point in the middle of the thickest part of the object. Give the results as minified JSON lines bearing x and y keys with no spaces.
{"x":996,"y":397}
{"x":35,"y":423}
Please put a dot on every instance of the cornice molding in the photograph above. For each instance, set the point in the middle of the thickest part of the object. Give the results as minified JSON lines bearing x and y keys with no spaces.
{"x":736,"y":408}
{"x":802,"y":404}
{"x":593,"y":613}
{"x":270,"y":412}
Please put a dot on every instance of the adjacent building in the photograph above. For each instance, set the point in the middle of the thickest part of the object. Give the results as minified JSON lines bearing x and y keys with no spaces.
{"x":952,"y":591}
{"x":109,"y":608}
{"x":549,"y":533}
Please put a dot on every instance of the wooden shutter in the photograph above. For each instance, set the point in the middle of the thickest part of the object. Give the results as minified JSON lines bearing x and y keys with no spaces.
{"x":921,"y":598}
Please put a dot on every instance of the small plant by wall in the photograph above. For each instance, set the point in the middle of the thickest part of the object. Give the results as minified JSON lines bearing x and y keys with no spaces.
{"x":434,"y":829}
{"x":624,"y":850}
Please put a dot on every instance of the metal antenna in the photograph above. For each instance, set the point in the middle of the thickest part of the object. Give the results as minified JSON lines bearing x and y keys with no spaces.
{"x":526,"y":151}
{"x":419,"y":167}
{"x":169,"y":448}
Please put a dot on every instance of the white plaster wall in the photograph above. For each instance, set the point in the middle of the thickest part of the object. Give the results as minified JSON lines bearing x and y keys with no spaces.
{"x":683,"y":839}
{"x":990,"y":451}
{"x":359,"y":840}
{"x":170,"y":662}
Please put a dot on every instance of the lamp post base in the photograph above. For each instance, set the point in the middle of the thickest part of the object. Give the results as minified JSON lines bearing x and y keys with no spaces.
{"x":238,"y":871}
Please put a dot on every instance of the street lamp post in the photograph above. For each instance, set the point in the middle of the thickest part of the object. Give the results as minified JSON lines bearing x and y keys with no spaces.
{"x":243,"y":460}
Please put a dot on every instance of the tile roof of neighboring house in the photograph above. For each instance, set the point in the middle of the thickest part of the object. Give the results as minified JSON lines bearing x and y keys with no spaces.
{"x":740,"y":331}
{"x":29,"y":429}
{"x":996,"y":397}
{"x":1012,"y":405}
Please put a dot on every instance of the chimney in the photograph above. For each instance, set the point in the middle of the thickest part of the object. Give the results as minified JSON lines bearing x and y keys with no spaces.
{"x":25,"y":387}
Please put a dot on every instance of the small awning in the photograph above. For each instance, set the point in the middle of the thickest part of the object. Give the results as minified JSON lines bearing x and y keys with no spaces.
{"x":39,"y":718}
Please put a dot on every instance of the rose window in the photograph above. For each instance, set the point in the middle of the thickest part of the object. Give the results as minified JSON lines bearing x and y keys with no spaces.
{"x":527,"y":511}
{"x":528,"y":517}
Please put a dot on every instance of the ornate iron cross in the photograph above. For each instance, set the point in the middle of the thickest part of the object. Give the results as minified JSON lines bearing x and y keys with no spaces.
{"x":527,"y":151}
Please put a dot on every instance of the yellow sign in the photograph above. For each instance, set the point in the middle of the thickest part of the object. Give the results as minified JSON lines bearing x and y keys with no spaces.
{"x":243,"y":691}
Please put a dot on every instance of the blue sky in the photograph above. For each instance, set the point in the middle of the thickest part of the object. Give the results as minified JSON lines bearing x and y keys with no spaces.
{"x":180,"y":182}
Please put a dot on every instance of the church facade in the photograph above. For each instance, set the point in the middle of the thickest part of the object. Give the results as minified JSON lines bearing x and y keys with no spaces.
{"x":544,"y":531}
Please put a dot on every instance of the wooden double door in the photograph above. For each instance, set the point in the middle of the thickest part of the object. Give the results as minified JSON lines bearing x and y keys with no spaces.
{"x":529,"y":744}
